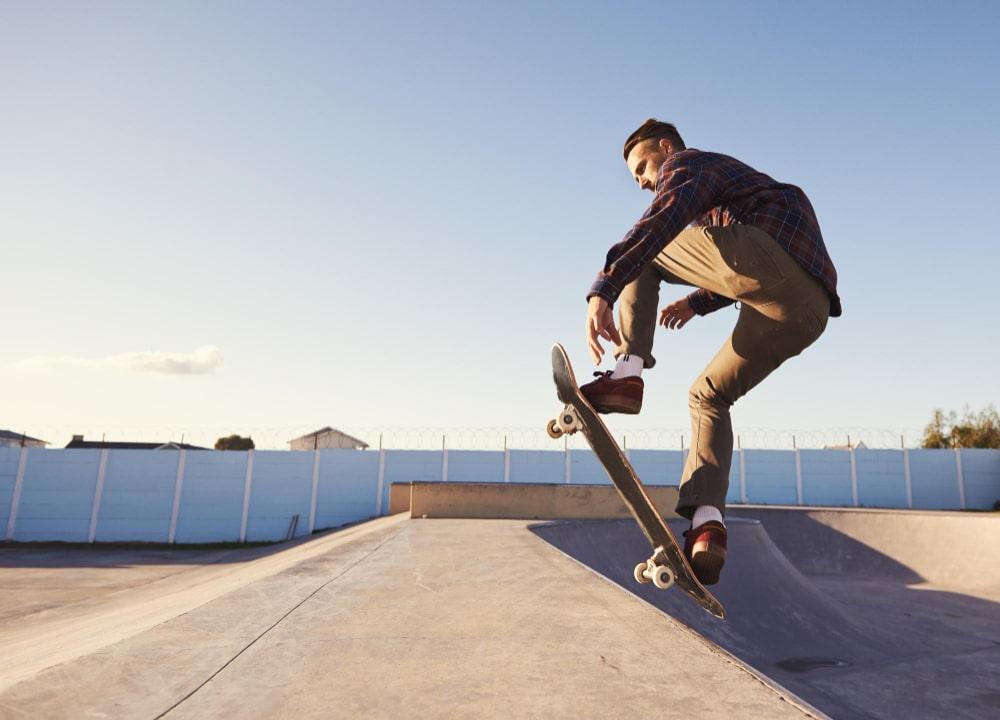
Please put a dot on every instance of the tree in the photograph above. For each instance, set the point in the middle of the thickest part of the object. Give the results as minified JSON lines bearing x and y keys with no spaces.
{"x":974,"y":430}
{"x":234,"y":442}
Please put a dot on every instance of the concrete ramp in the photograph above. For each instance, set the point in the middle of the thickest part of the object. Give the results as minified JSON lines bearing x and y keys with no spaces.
{"x":431,"y":619}
{"x":850,"y":628}
{"x":934,"y":549}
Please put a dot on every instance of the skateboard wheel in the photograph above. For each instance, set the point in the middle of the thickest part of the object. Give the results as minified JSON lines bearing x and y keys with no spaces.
{"x":663,"y":577}
{"x":553,"y":430}
{"x":640,"y":573}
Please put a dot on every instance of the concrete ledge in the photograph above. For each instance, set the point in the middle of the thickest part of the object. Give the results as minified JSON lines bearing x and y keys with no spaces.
{"x":399,"y":498}
{"x":516,"y":501}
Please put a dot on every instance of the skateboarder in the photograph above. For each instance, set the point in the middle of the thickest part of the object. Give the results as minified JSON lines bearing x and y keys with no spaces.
{"x":736,"y":235}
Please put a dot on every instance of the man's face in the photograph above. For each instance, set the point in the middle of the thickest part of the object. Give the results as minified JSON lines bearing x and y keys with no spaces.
{"x":644,"y":161}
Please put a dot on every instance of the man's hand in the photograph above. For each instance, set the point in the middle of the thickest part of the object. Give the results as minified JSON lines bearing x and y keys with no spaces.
{"x":600,"y":324}
{"x":676,"y":315}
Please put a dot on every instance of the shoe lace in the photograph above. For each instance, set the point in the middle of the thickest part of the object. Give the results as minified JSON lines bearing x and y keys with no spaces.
{"x":606,"y":373}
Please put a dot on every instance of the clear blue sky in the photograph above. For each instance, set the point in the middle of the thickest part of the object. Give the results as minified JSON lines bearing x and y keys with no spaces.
{"x":383,"y":214}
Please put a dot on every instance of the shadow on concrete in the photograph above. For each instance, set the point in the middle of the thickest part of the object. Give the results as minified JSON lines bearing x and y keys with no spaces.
{"x":132,"y":554}
{"x":830,"y":618}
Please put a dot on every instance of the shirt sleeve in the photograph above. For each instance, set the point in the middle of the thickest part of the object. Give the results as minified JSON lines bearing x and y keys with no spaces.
{"x":704,"y":302}
{"x":685,"y":190}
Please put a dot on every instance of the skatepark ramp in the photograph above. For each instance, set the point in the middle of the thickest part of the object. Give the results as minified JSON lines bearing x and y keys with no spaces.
{"x":864,"y":614}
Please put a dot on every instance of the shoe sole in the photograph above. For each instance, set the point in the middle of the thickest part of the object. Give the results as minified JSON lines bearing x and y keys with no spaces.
{"x":617,"y":407}
{"x":707,"y":560}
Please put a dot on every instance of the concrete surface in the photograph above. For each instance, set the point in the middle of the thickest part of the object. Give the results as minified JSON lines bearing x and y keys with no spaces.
{"x":65,"y":612}
{"x":863,"y":614}
{"x":40,"y":578}
{"x":859,"y":613}
{"x":537,"y":501}
{"x":405,"y":618}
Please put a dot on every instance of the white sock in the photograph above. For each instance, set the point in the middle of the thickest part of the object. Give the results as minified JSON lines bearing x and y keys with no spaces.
{"x":628,"y":366}
{"x":704,"y":513}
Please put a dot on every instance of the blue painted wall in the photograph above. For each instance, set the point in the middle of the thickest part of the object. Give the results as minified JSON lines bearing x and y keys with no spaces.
{"x":348,"y":488}
{"x":537,"y":466}
{"x":586,"y":469}
{"x":658,"y":467}
{"x":475,"y":465}
{"x":280,"y":490}
{"x":211,"y":508}
{"x":981,"y":469}
{"x":934,"y":476}
{"x":59,"y":486}
{"x":881,"y":478}
{"x":57,"y":496}
{"x":773,"y":477}
{"x":733,"y":493}
{"x":826,"y":477}
{"x":138,"y":496}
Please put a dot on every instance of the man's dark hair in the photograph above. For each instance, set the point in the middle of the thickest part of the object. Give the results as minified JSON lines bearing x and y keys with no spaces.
{"x":653,"y":129}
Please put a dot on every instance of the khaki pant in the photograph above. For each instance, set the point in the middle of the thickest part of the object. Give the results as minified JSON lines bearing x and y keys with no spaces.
{"x":783,"y":311}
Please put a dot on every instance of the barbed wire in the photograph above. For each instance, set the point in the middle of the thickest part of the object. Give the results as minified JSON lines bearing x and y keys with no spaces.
{"x":473,"y":438}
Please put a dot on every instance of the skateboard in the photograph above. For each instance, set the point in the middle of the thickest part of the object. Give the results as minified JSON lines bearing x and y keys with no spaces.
{"x":667,"y":565}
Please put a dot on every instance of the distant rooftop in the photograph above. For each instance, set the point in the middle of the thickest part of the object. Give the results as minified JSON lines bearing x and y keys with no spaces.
{"x":343,"y":437}
{"x":9,"y":435}
{"x":78,"y":443}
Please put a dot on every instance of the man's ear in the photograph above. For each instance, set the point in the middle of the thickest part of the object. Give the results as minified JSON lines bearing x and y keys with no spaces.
{"x":665,"y":146}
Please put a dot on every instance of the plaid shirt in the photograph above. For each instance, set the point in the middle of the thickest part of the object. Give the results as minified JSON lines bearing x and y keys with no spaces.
{"x":709,"y":189}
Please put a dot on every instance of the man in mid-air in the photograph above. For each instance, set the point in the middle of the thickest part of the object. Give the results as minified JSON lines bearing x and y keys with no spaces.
{"x":734,"y":234}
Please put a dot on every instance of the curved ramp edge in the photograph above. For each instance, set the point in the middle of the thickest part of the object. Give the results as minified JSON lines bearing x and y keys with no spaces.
{"x":825,"y":614}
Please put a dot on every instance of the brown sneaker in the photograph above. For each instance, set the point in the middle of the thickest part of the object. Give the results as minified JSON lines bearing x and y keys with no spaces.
{"x":623,"y":395}
{"x":705,"y":548}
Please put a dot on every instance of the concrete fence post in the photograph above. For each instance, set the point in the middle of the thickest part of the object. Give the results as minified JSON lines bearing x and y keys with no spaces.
{"x":798,"y":476}
{"x":247,"y":487}
{"x":315,"y":492}
{"x":178,"y":487}
{"x":743,"y":477}
{"x":15,"y":500}
{"x":95,"y":506}
{"x":854,"y":477}
{"x":568,"y":466}
{"x":381,"y":481}
{"x":907,"y":478}
{"x":961,"y":477}
{"x":506,"y":465}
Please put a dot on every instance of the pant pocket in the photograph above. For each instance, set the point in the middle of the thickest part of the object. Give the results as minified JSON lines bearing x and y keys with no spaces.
{"x":750,"y":270}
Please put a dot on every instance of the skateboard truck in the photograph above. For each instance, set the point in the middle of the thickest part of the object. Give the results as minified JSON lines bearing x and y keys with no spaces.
{"x":667,"y":566}
{"x":654,"y":570}
{"x":651,"y":571}
{"x":567,"y":423}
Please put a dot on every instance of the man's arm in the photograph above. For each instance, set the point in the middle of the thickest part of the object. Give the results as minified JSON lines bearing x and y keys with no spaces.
{"x":684,"y":191}
{"x":704,"y":302}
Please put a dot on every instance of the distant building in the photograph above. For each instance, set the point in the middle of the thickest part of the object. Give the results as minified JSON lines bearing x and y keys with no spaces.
{"x":326,"y":439}
{"x":78,"y":443}
{"x":13,"y":439}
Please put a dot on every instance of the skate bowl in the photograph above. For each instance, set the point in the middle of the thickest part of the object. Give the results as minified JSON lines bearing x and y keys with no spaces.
{"x":862,"y":613}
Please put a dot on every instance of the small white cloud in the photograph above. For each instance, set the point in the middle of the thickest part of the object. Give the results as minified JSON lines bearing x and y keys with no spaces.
{"x":201,"y":361}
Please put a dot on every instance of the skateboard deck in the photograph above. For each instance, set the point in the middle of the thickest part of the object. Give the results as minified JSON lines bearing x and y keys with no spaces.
{"x":667,"y":565}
